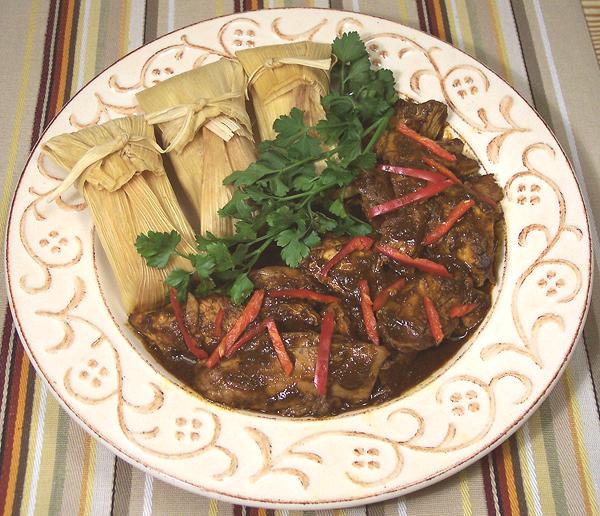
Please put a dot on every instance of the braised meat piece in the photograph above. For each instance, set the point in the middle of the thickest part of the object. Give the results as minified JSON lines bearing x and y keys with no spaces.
{"x":402,"y":322}
{"x":343,"y":278}
{"x":427,"y":118}
{"x":278,"y":277}
{"x":472,"y":240}
{"x":485,"y":186}
{"x":404,"y":230}
{"x":253,"y":378}
{"x":159,"y":327}
{"x":289,"y":314}
{"x":160,"y":332}
{"x":464,"y":167}
{"x":396,"y":149}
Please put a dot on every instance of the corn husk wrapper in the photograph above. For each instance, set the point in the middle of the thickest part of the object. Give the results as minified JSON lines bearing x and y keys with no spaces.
{"x":208,"y":134}
{"x":128,"y":193}
{"x":276,"y":87}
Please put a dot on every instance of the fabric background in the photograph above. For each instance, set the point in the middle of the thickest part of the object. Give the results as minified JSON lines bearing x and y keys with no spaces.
{"x":51,"y":48}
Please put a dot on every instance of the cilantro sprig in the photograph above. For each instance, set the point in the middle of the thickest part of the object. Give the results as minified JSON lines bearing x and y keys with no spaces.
{"x":293,"y":194}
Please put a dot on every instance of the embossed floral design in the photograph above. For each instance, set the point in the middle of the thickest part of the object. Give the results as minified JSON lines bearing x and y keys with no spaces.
{"x":377,"y":54}
{"x":514,"y":189}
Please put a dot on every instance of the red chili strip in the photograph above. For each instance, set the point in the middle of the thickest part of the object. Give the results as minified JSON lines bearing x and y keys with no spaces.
{"x":190,"y":342}
{"x":426,"y":192}
{"x":417,"y":173}
{"x":302,"y":293}
{"x":248,"y":315}
{"x":247,"y":337}
{"x":282,"y":355}
{"x":382,"y":298}
{"x":429,"y":144}
{"x":457,"y":212}
{"x":461,"y":310}
{"x":219,"y":324}
{"x":434,"y":320}
{"x":322,"y":365}
{"x":366,"y":307}
{"x":419,"y":263}
{"x":359,"y":243}
{"x":442,"y":169}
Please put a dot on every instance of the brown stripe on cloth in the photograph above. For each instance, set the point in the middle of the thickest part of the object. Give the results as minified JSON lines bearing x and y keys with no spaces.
{"x":58,"y":58}
{"x":488,"y":487}
{"x":499,"y":480}
{"x":42,"y":99}
{"x":9,"y":454}
{"x":446,"y":21}
{"x":422,"y":15}
{"x":71,"y":48}
{"x":5,"y":365}
{"x":62,"y":53}
{"x":151,"y":21}
{"x":431,"y":19}
{"x":25,"y":431}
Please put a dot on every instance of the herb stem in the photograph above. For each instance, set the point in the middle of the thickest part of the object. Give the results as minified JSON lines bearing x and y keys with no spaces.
{"x":257,"y":253}
{"x":382,"y":127}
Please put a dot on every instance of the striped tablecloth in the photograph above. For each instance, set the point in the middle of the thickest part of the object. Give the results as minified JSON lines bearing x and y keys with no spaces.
{"x":50,"y":48}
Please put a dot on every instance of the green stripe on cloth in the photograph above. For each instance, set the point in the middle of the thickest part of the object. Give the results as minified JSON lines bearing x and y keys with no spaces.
{"x":551,"y":466}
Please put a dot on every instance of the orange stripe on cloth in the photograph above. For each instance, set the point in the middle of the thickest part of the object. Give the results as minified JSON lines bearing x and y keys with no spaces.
{"x":64,"y":69}
{"x":510,"y":478}
{"x":18,"y":425}
{"x":439,"y":20}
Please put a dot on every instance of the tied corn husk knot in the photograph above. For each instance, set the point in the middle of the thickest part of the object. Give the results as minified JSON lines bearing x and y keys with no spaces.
{"x":192,"y":117}
{"x":98,"y":153}
{"x":117,"y":166}
{"x":202,"y":118}
{"x":277,"y":62}
{"x":282,"y":77}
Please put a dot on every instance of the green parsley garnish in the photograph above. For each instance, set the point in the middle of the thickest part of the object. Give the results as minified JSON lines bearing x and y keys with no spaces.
{"x":282,"y":199}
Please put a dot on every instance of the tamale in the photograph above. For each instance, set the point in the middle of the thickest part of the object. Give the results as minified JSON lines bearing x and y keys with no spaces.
{"x":118,"y":169}
{"x":281,"y":77}
{"x":203,"y":121}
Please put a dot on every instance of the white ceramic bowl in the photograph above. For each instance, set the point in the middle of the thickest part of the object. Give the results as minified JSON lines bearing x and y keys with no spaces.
{"x":71,"y":323}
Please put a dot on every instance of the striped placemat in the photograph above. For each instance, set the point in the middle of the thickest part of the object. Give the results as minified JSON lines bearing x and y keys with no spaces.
{"x":50,"y":48}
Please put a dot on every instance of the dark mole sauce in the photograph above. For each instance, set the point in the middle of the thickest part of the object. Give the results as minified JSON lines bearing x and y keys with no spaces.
{"x":405,"y":376}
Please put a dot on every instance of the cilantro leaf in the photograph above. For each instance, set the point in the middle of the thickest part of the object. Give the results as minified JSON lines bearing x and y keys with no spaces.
{"x":241,"y":289}
{"x":179,"y":280}
{"x":337,"y":208}
{"x":349,"y":47}
{"x":294,"y":252}
{"x":220,"y":255}
{"x":157,"y":248}
{"x":204,"y":264}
